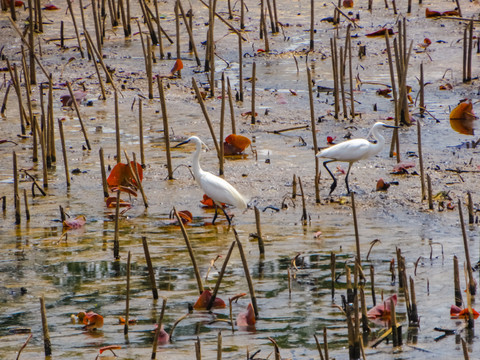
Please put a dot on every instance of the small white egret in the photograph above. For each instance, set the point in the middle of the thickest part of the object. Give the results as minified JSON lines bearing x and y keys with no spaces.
{"x":354,"y":150}
{"x":216,"y":188}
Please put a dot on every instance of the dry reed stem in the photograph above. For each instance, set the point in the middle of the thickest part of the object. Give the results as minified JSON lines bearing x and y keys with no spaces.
{"x":77,"y":110}
{"x":64,"y":152}
{"x":47,"y":345}
{"x":127,"y":301}
{"x":220,"y":276}
{"x":190,"y":252}
{"x":151,"y":273}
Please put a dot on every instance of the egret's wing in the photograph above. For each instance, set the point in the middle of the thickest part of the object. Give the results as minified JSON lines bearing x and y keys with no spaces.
{"x":351,"y":150}
{"x":221,"y":191}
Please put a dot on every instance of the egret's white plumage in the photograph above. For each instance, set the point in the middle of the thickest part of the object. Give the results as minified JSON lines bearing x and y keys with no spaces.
{"x":216,"y":188}
{"x":354,"y":150}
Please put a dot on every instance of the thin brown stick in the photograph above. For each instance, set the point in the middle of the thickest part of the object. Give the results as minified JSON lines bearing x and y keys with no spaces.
{"x":220,"y":276}
{"x":253,"y":92}
{"x":355,"y":225}
{"x":151,"y":273}
{"x":64,"y":152}
{"x":261,"y":246}
{"x":77,"y":110}
{"x":140,"y":132}
{"x":190,"y":252}
{"x":104,"y":175}
{"x":314,"y":135}
{"x":222,"y":128}
{"x":116,"y":240}
{"x":16,"y":194}
{"x":190,"y":33}
{"x":127,"y":301}
{"x":247,"y":273}
{"x":230,"y":102}
{"x":304,"y":207}
{"x":420,"y":156}
{"x":24,"y":344}
{"x":47,"y":345}
{"x":166,"y":134}
{"x":472,"y":284}
{"x":117,"y":131}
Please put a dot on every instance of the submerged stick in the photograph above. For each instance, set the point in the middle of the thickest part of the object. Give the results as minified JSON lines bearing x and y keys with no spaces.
{"x":16,"y":195}
{"x":166,"y":134}
{"x":151,"y":273}
{"x":116,"y":241}
{"x":247,"y":274}
{"x":47,"y":345}
{"x":190,"y":252}
{"x":159,"y":327}
{"x":27,"y":210}
{"x":64,"y":151}
{"x":127,"y":301}
{"x":104,"y":175}
{"x":472,"y":284}
{"x":261,"y":246}
{"x":220,"y":276}
{"x":332,"y":272}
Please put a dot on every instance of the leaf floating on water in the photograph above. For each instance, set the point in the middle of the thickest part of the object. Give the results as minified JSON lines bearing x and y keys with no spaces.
{"x":457,"y":312}
{"x":121,"y":320}
{"x":51,"y":7}
{"x":446,"y":86}
{"x":380,"y":32}
{"x":432,"y":13}
{"x":235,"y":144}
{"x":204,"y":299}
{"x":122,"y":176}
{"x":186,"y":216}
{"x":383,"y":310}
{"x":462,"y":118}
{"x":163,"y":337}
{"x":109,"y":347}
{"x":208,"y":203}
{"x":76,"y":223}
{"x":91,"y":320}
{"x":247,"y":317}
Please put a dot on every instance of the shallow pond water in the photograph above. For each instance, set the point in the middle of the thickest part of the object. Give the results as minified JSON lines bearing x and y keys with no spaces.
{"x":78,"y":272}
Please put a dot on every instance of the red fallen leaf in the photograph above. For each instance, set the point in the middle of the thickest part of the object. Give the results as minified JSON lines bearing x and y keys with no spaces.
{"x":67,"y":100}
{"x":91,"y":320}
{"x":451,"y":13}
{"x":204,"y":299}
{"x":462,"y":118}
{"x":382,"y":310}
{"x":382,"y":185}
{"x":121,"y":175}
{"x":208,"y":203}
{"x":445,"y":87}
{"x":260,"y":51}
{"x":450,"y":206}
{"x":401,"y":168}
{"x":384,"y":92}
{"x":330,"y":140}
{"x":431,"y":13}
{"x":126,"y":189}
{"x":348,"y":3}
{"x":163,"y":337}
{"x":112,"y":202}
{"x":186,"y":216}
{"x":380,"y":32}
{"x":51,"y":7}
{"x":121,"y":320}
{"x":246,"y":318}
{"x":455,"y":311}
{"x":76,"y":223}
{"x":235,"y":144}
{"x":249,"y":113}
{"x":109,"y":347}
{"x":177,"y":67}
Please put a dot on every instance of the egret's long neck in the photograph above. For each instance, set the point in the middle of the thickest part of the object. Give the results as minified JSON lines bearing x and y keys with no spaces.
{"x":378,"y":146}
{"x":197,"y":170}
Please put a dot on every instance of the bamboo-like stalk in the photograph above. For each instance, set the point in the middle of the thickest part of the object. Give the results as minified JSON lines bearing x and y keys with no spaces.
{"x":70,"y":9}
{"x":220,"y":276}
{"x":372,"y":284}
{"x":422,"y":92}
{"x":230,"y":102}
{"x":261,"y":246}
{"x":44,"y":155}
{"x":27,"y":209}
{"x":219,"y":346}
{"x":242,"y":15}
{"x":16,"y":86}
{"x":270,"y":15}
{"x":117,"y":130}
{"x":98,"y":34}
{"x":254,"y":65}
{"x":190,"y":33}
{"x":16,"y":195}
{"x":166,"y":133}
{"x":190,"y":252}
{"x":355,"y":225}
{"x":429,"y":190}
{"x":77,"y":110}
{"x":333,"y":262}
{"x":5,"y":98}
{"x":28,"y":90}
{"x":148,"y":61}
{"x":151,"y":273}
{"x":314,"y":136}
{"x":116,"y":239}
{"x":127,"y":301}
{"x":47,"y":345}
{"x":265,"y":32}
{"x":64,"y":152}
{"x":205,"y":114}
{"x":350,"y":71}
{"x":333,"y":47}
{"x":312,"y":23}
{"x":97,"y":70}
{"x":304,"y":218}
{"x":146,"y":16}
{"x":50,"y":128}
{"x":140,"y":132}
{"x":247,"y":274}
{"x":222,"y":128}
{"x":177,"y":29}
{"x":471,"y":217}
{"x":456,"y":278}
{"x":104,"y":175}
{"x":420,"y":156}
{"x":159,"y":30}
{"x":262,"y":12}
{"x":35,"y":141}
{"x":240,"y":65}
{"x":472,"y":284}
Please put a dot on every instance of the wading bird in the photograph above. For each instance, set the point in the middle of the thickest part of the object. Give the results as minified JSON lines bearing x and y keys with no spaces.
{"x":219,"y":190}
{"x":354,"y":150}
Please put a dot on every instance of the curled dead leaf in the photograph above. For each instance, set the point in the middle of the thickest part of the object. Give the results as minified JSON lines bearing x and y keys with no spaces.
{"x":380,"y":32}
{"x":204,"y":299}
{"x":76,"y":223}
{"x":462,"y":118}
{"x":235,"y":144}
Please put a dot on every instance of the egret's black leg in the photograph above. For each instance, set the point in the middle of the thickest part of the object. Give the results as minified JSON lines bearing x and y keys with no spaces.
{"x":334,"y":185}
{"x":216,"y":214}
{"x":228,"y":217}
{"x":346,"y":177}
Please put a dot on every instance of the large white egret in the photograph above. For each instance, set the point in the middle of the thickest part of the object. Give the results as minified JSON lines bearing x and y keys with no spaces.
{"x":216,"y":188}
{"x":354,"y":150}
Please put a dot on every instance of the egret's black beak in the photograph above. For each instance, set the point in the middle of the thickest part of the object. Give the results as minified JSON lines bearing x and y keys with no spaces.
{"x":391,"y":126}
{"x":182,"y":143}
